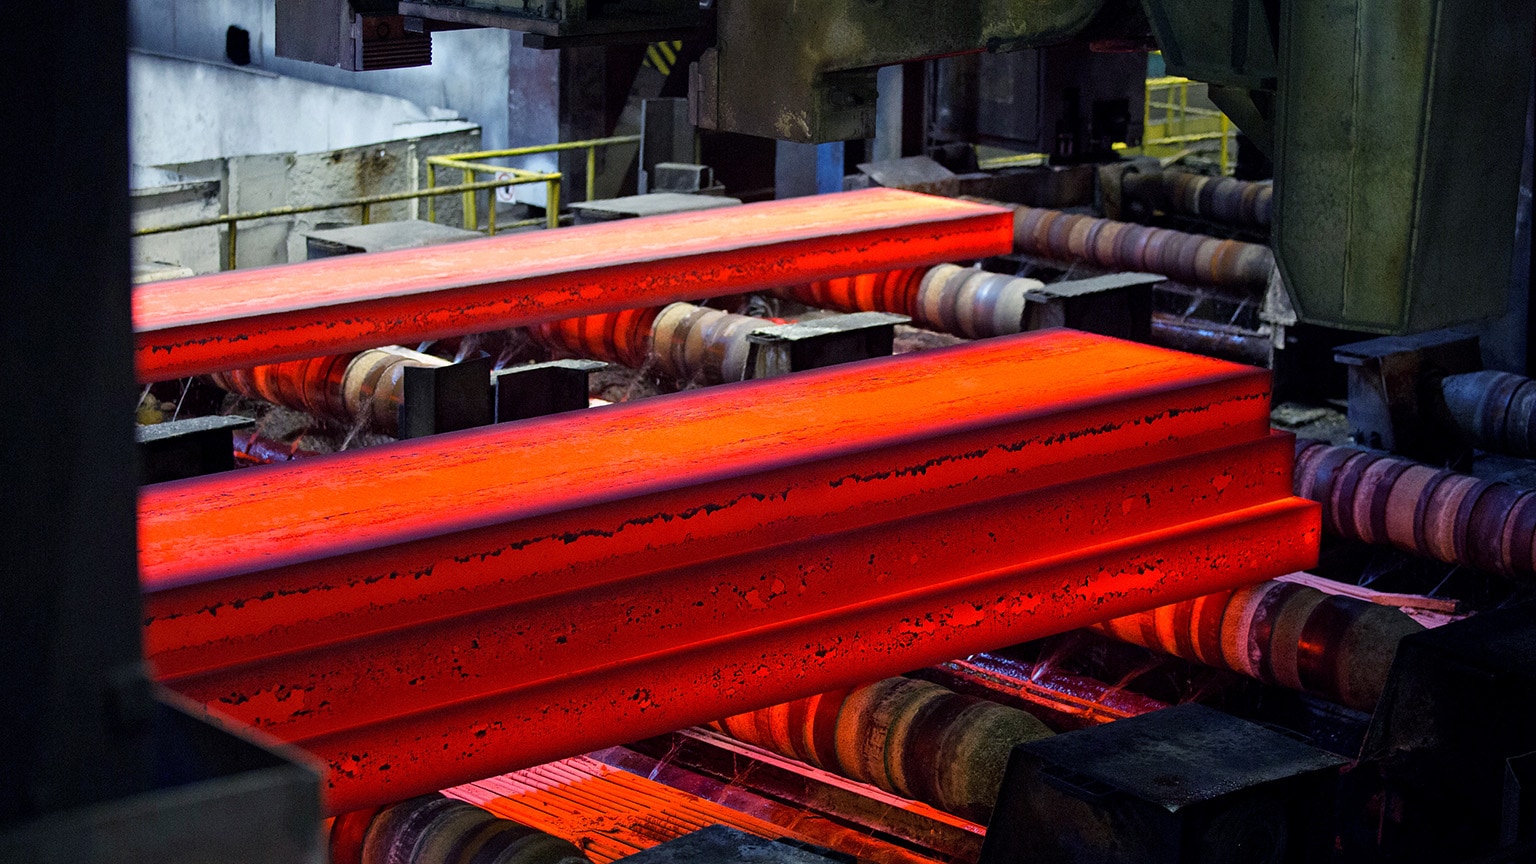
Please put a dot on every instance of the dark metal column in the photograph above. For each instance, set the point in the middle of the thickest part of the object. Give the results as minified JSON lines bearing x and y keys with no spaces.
{"x":77,"y":709}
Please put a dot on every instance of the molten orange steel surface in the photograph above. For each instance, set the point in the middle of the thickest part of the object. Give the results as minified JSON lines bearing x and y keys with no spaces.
{"x":429,"y":612}
{"x":266,"y":315}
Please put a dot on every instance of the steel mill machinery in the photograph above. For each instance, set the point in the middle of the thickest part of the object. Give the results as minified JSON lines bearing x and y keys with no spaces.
{"x":950,"y":485}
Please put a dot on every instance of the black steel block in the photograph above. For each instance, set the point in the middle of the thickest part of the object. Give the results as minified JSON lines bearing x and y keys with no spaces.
{"x":1118,"y":305}
{"x":1450,"y":739}
{"x":1186,"y":785}
{"x":816,"y":343}
{"x":180,"y":449}
{"x":446,"y":398}
{"x":541,"y":388}
{"x":1394,"y":392}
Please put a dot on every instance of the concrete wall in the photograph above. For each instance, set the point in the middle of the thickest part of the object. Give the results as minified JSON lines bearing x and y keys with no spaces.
{"x":468,"y":75}
{"x":194,"y":190}
{"x":186,"y":110}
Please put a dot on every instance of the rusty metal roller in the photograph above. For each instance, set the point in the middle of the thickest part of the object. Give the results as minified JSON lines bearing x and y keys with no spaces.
{"x":435,"y":829}
{"x":1219,"y":199}
{"x":972,"y":303}
{"x":616,"y":337}
{"x":891,"y":291}
{"x":906,"y":736}
{"x":680,"y":341}
{"x":1451,"y":517}
{"x":344,"y":390}
{"x":1122,"y":246}
{"x":1283,"y":633}
{"x":697,"y":343}
{"x":1494,"y":411}
{"x":948,"y":298}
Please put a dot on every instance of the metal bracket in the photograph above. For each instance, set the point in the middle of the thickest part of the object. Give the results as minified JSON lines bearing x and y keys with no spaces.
{"x":540,"y":389}
{"x":188,"y":448}
{"x":446,"y":398}
{"x":1394,"y":391}
{"x":785,"y":348}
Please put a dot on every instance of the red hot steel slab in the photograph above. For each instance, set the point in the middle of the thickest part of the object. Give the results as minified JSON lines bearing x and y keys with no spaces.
{"x":266,"y":315}
{"x":429,"y":612}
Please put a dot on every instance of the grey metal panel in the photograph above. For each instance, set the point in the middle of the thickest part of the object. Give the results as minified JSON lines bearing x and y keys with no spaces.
{"x":1399,"y":147}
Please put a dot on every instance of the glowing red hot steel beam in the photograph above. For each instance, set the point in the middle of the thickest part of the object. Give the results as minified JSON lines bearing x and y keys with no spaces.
{"x":266,"y":315}
{"x":428,"y":612}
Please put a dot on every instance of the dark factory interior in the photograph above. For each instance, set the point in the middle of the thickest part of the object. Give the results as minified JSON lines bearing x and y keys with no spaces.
{"x":728,"y":431}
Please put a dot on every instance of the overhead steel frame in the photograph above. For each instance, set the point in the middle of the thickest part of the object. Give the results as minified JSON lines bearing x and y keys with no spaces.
{"x":348,"y":303}
{"x":425,"y":613}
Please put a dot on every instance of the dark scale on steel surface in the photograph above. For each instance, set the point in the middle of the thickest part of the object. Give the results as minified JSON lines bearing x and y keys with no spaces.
{"x":954,"y":540}
{"x":353,"y":302}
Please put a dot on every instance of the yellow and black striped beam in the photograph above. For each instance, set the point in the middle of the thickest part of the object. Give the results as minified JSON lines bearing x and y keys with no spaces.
{"x":661,"y":56}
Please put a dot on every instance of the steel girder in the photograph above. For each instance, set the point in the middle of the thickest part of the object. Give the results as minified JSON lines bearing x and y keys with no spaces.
{"x":352,"y":302}
{"x":429,"y":612}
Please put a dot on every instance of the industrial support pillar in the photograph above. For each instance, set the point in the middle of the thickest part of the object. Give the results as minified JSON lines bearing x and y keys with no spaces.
{"x":89,"y":754}
{"x":74,"y":694}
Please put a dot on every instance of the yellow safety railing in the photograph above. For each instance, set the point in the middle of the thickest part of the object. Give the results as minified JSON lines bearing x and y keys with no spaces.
{"x":474,"y":163}
{"x":1176,"y":125}
{"x":365,"y":204}
{"x":466,"y":162}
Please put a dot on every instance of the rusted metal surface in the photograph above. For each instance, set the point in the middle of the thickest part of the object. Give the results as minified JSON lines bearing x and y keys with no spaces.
{"x":1280,"y":632}
{"x":904,"y":735}
{"x":354,"y":302}
{"x":423,"y":613}
{"x":1212,"y":339}
{"x":1451,"y":517}
{"x":1120,"y":246}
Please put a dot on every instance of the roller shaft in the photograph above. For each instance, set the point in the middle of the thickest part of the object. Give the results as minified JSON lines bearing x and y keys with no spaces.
{"x":948,"y":298}
{"x":1122,"y":246}
{"x":1451,"y":517}
{"x":1494,"y":411}
{"x":1219,"y":199}
{"x":906,"y":736}
{"x":680,"y":341}
{"x":1281,"y":633}
{"x":435,"y":829}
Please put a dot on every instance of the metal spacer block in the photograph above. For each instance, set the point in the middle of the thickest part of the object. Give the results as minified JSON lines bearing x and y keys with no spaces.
{"x":446,"y":398}
{"x":180,"y":449}
{"x":540,"y":389}
{"x":785,"y":348}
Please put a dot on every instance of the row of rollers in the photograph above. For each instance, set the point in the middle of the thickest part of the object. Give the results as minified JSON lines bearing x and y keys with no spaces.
{"x":1283,"y":633}
{"x":1451,"y":517}
{"x":436,"y":829}
{"x":910,"y":737}
{"x":1220,"y":199}
{"x":1123,"y":246}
